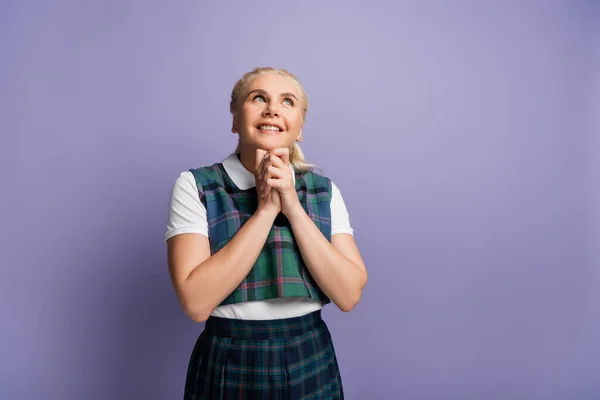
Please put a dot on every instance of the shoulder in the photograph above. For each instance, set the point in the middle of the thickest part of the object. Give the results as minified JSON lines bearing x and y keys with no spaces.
{"x":316,"y":179}
{"x":319,"y":179}
{"x":207,"y":173}
{"x":187,"y":213}
{"x":194,"y":180}
{"x":184,"y":182}
{"x":323,"y":180}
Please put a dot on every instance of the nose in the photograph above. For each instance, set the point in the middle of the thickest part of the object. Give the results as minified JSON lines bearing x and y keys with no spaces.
{"x":271,"y":110}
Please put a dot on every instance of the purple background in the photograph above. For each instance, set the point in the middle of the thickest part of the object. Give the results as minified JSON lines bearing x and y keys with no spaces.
{"x":463,"y":137}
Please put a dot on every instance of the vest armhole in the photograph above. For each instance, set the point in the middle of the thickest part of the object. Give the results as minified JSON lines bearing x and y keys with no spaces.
{"x":198,"y":178}
{"x":329,"y":188}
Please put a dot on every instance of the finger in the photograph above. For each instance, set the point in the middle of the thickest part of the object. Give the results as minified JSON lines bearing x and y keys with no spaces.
{"x":277,"y":184}
{"x":265,"y":190}
{"x":278,"y":162}
{"x":265,"y":176}
{"x":283,"y":153}
{"x":262,"y":169}
{"x":260,"y":156}
{"x":277,"y":173}
{"x":265,"y":173}
{"x":268,"y":162}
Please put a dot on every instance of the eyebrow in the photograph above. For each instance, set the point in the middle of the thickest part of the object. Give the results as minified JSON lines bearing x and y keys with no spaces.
{"x":260,"y":91}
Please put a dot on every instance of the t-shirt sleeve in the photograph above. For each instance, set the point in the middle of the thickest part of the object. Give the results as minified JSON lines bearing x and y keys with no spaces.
{"x":187,"y":214}
{"x":340,"y":219}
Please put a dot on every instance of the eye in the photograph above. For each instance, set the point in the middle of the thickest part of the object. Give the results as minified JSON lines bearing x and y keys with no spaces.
{"x":259,"y":96}
{"x":289,"y":102}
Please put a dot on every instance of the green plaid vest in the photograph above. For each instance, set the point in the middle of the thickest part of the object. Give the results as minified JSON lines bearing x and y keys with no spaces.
{"x":279,"y":270}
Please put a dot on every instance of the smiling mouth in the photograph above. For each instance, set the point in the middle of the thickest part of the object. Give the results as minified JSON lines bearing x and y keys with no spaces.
{"x":269,"y":128}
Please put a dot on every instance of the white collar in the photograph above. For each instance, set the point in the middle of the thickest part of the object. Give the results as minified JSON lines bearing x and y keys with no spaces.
{"x":243,"y":178}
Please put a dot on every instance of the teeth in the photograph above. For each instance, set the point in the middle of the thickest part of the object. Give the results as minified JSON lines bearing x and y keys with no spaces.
{"x":268,"y":128}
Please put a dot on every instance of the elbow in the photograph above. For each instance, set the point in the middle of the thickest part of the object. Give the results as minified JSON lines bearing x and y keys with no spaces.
{"x":194,"y":302}
{"x":196,"y":309}
{"x":195,"y":313}
{"x":349,"y":304}
{"x":348,"y":307}
{"x":198,"y":317}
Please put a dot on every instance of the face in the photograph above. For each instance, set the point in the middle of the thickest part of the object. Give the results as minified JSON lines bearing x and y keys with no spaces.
{"x":270,"y":113}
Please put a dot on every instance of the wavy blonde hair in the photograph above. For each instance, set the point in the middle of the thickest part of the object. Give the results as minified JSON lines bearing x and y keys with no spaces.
{"x":296,"y":154}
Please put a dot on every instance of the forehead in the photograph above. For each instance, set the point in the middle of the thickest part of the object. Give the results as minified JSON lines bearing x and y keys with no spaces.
{"x":274,"y":84}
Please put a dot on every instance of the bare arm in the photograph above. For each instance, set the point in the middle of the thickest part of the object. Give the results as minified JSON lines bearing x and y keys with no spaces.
{"x":203,"y":281}
{"x":337,"y":267}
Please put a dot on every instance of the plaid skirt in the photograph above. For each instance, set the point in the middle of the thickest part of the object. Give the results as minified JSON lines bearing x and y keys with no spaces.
{"x":290,"y":359}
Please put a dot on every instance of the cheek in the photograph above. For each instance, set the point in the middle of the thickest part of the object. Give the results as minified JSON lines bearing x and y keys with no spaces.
{"x":294,"y":121}
{"x":248,"y":114}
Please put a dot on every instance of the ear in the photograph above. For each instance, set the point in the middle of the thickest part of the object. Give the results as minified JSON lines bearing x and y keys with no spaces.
{"x":299,"y":138}
{"x":233,"y":126}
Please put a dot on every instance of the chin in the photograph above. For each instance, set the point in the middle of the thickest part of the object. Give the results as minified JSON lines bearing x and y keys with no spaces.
{"x":271,"y":144}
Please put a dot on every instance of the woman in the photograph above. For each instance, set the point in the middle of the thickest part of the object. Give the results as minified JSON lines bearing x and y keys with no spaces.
{"x":257,"y":245}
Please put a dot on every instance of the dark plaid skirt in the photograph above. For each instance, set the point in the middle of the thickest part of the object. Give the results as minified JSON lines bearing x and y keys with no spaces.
{"x":288,"y":359}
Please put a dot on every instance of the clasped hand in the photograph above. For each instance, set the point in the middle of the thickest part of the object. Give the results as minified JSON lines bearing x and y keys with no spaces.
{"x":274,"y":181}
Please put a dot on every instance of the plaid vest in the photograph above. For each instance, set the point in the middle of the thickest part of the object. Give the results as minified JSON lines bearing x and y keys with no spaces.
{"x":279,"y":270}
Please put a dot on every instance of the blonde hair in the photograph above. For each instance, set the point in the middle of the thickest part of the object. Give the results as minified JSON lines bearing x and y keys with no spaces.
{"x":296,"y":154}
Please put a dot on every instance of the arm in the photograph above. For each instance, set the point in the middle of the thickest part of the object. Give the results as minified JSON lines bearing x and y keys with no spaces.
{"x":203,"y":281}
{"x":337,"y":267}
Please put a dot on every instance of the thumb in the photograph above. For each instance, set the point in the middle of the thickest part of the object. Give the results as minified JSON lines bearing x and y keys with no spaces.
{"x":260,"y":154}
{"x":286,"y":156}
{"x":283,"y":153}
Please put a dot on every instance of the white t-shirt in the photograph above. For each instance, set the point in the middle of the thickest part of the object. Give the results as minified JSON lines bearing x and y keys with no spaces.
{"x":187,"y":214}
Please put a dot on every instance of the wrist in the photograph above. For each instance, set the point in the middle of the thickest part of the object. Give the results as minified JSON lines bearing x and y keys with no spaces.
{"x":267,"y":212}
{"x":294,"y":212}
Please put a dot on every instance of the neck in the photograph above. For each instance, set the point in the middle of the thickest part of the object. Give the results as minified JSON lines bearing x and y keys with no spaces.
{"x":248,"y":159}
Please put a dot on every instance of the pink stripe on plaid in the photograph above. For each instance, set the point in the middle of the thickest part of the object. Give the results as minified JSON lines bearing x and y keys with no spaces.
{"x":267,"y":282}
